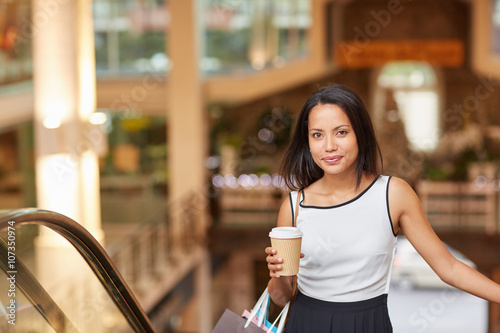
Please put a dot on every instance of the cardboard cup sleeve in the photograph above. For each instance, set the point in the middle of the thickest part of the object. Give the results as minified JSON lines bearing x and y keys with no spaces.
{"x":287,"y":241}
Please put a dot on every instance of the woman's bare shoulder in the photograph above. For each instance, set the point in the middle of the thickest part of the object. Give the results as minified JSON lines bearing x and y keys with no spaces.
{"x":401,"y":193}
{"x":398,"y":184}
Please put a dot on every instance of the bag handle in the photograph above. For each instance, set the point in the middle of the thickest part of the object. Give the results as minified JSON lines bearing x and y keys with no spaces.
{"x":282,"y":317}
{"x":263,"y":305}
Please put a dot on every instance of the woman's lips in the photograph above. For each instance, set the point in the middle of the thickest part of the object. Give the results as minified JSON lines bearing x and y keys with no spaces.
{"x":332,"y":159}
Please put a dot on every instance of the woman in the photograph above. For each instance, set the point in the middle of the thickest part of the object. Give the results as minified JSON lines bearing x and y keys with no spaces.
{"x":350,"y":216}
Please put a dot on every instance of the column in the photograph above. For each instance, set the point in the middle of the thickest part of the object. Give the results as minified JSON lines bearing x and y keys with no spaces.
{"x":67,"y":174}
{"x":188,"y":137}
{"x":64,"y":92}
{"x":186,"y":117}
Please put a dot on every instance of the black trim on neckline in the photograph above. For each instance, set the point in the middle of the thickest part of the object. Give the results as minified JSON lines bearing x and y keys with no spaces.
{"x":388,"y":210}
{"x":291,"y":205}
{"x":342,"y":204}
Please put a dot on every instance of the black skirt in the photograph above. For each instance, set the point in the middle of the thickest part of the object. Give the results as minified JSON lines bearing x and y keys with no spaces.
{"x":310,"y":315}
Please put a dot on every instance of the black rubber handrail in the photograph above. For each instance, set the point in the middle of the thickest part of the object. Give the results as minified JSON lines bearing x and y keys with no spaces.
{"x":93,"y":253}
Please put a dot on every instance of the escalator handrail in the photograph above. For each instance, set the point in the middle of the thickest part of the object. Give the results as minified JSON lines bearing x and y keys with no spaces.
{"x":93,"y":253}
{"x":34,"y":292}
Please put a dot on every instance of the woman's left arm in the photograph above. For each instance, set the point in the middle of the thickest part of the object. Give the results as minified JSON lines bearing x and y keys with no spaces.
{"x":408,"y":216}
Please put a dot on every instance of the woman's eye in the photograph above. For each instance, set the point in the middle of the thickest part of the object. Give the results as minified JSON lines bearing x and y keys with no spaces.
{"x":341,"y":132}
{"x":316,"y":135}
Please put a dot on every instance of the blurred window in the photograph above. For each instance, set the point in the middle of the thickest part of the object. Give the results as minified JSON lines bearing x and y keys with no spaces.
{"x":130,"y":36}
{"x":135,"y":168}
{"x":237,"y":36}
{"x":495,"y":27}
{"x":241,"y":36}
{"x":414,"y":85}
{"x":16,"y":31}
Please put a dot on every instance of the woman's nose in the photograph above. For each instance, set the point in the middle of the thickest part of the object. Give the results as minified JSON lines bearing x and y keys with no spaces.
{"x":331,"y":144}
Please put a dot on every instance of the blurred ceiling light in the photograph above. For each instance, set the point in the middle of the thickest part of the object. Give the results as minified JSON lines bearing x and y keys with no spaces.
{"x":416,"y":78}
{"x":218,"y":181}
{"x":52,"y":122}
{"x":98,"y":118}
{"x":265,"y":180}
{"x":212,"y":162}
{"x":266,"y":135}
{"x":259,"y":61}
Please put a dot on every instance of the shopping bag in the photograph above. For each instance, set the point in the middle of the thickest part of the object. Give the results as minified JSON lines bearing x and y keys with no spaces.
{"x":261,"y":310}
{"x":265,"y":325}
{"x":230,"y":322}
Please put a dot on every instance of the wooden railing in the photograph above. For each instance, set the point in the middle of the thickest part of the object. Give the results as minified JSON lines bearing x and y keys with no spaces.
{"x":460,"y":205}
{"x":240,"y":206}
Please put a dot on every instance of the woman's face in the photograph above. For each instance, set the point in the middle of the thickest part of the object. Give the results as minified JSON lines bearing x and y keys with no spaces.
{"x":332,"y":141}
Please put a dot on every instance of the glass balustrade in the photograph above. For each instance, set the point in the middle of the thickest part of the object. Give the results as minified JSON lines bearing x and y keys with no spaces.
{"x":46,"y":285}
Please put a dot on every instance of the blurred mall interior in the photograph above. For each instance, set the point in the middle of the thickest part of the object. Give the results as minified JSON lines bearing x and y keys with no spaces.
{"x":159,"y":126}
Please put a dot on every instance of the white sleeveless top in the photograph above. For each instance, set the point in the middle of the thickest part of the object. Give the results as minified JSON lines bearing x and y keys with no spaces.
{"x":349,"y":248}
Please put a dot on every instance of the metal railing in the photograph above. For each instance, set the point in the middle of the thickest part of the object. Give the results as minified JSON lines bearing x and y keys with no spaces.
{"x":35,"y":293}
{"x":94,"y":255}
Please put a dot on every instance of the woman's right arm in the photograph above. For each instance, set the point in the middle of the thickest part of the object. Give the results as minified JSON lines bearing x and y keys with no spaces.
{"x":280,"y":287}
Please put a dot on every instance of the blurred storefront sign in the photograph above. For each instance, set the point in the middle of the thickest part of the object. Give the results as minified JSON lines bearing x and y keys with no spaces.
{"x":363,"y":52}
{"x":149,"y":19}
{"x":219,"y":18}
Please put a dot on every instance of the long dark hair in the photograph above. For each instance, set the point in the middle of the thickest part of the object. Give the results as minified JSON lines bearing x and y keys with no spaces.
{"x":298,"y":168}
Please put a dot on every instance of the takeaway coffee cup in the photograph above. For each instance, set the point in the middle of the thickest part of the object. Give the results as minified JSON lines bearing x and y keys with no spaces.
{"x":287,"y":242}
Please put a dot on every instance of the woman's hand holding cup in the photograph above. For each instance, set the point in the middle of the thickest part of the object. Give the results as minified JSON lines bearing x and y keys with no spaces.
{"x":273,"y":262}
{"x":284,"y":253}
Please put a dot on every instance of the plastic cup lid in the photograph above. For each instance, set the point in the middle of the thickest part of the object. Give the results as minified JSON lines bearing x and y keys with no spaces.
{"x":285,"y":232}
